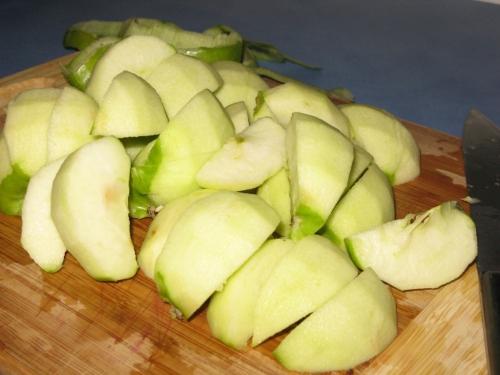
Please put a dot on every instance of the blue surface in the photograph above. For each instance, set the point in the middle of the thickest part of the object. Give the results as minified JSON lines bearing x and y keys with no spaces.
{"x":427,"y":61}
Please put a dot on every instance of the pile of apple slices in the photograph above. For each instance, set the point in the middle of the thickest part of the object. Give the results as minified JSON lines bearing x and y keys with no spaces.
{"x":266,"y":202}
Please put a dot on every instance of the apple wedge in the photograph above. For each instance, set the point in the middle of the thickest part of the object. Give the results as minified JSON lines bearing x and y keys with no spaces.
{"x":246,"y":160}
{"x":276,"y":192}
{"x":319,"y":163}
{"x":239,"y":116}
{"x":291,"y":97}
{"x":420,"y":251}
{"x":160,"y":228}
{"x":354,"y":326}
{"x":311,"y":273}
{"x":209,"y":242}
{"x":89,"y":209}
{"x":381,"y":134}
{"x":241,"y":83}
{"x":139,"y":54}
{"x":230,"y":312}
{"x":179,"y":78}
{"x":70,"y":124}
{"x":189,"y":140}
{"x":130,"y":108}
{"x":39,"y":236}
{"x":369,"y":203}
{"x":26,"y":132}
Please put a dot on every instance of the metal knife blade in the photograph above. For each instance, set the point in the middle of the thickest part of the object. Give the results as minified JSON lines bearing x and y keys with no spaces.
{"x":481,"y":151}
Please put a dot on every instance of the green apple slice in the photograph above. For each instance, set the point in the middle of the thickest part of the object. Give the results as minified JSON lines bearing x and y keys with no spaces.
{"x":179,"y":78}
{"x":139,"y":54}
{"x":291,"y":97}
{"x":89,"y":209}
{"x":319,"y":164}
{"x":130,"y":108}
{"x":188,"y":141}
{"x":311,"y":273}
{"x":39,"y":236}
{"x":134,"y":145}
{"x":26,"y":128}
{"x":369,"y":203}
{"x":246,"y":160}
{"x":362,"y":160}
{"x":420,"y":251}
{"x":354,"y":326}
{"x":160,"y":228}
{"x":241,"y":83}
{"x":230,"y":312}
{"x":5,"y":166}
{"x":70,"y":124}
{"x":209,"y":242}
{"x":276,"y":192}
{"x":381,"y":134}
{"x":239,"y":116}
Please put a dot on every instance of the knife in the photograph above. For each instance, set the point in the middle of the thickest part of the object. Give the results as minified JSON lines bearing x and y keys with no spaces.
{"x":481,"y":151}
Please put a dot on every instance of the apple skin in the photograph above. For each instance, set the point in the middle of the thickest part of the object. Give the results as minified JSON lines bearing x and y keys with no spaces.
{"x":354,"y":326}
{"x":420,"y":251}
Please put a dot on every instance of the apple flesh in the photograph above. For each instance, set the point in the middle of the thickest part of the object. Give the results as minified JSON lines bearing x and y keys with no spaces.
{"x":381,"y":134}
{"x":241,"y":83}
{"x":160,"y":228}
{"x":130,"y":108}
{"x":284,"y":100}
{"x":276,"y":192}
{"x":39,"y":236}
{"x":354,"y":326}
{"x":319,"y":163}
{"x":230,"y":312}
{"x":179,"y":78}
{"x":89,"y":209}
{"x":420,"y":251}
{"x":189,"y":140}
{"x":311,"y":273}
{"x":70,"y":124}
{"x":209,"y":242}
{"x":369,"y":203}
{"x":239,"y":116}
{"x":246,"y":160}
{"x":139,"y":54}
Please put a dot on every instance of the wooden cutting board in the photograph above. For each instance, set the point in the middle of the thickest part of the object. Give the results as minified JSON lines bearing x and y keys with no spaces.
{"x":67,"y":323}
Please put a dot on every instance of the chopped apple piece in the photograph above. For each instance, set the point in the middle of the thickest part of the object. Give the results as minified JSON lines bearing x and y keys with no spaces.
{"x":311,"y":273}
{"x":369,"y":203}
{"x":354,"y":326}
{"x":420,"y":251}
{"x":89,"y":209}
{"x":319,"y":164}
{"x":230,"y":312}
{"x":39,"y":236}
{"x":139,"y":54}
{"x":246,"y":160}
{"x":209,"y":242}
{"x":130,"y":108}
{"x":381,"y":134}
{"x":284,"y":100}
{"x":239,"y":116}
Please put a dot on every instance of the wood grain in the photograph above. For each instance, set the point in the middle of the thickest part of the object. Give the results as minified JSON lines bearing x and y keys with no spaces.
{"x":67,"y":323}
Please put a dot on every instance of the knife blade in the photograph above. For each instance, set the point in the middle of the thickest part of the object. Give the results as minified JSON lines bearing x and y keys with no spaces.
{"x":481,"y":151}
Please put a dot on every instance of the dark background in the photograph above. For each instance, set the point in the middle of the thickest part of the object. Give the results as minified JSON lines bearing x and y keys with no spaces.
{"x":427,"y":61}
